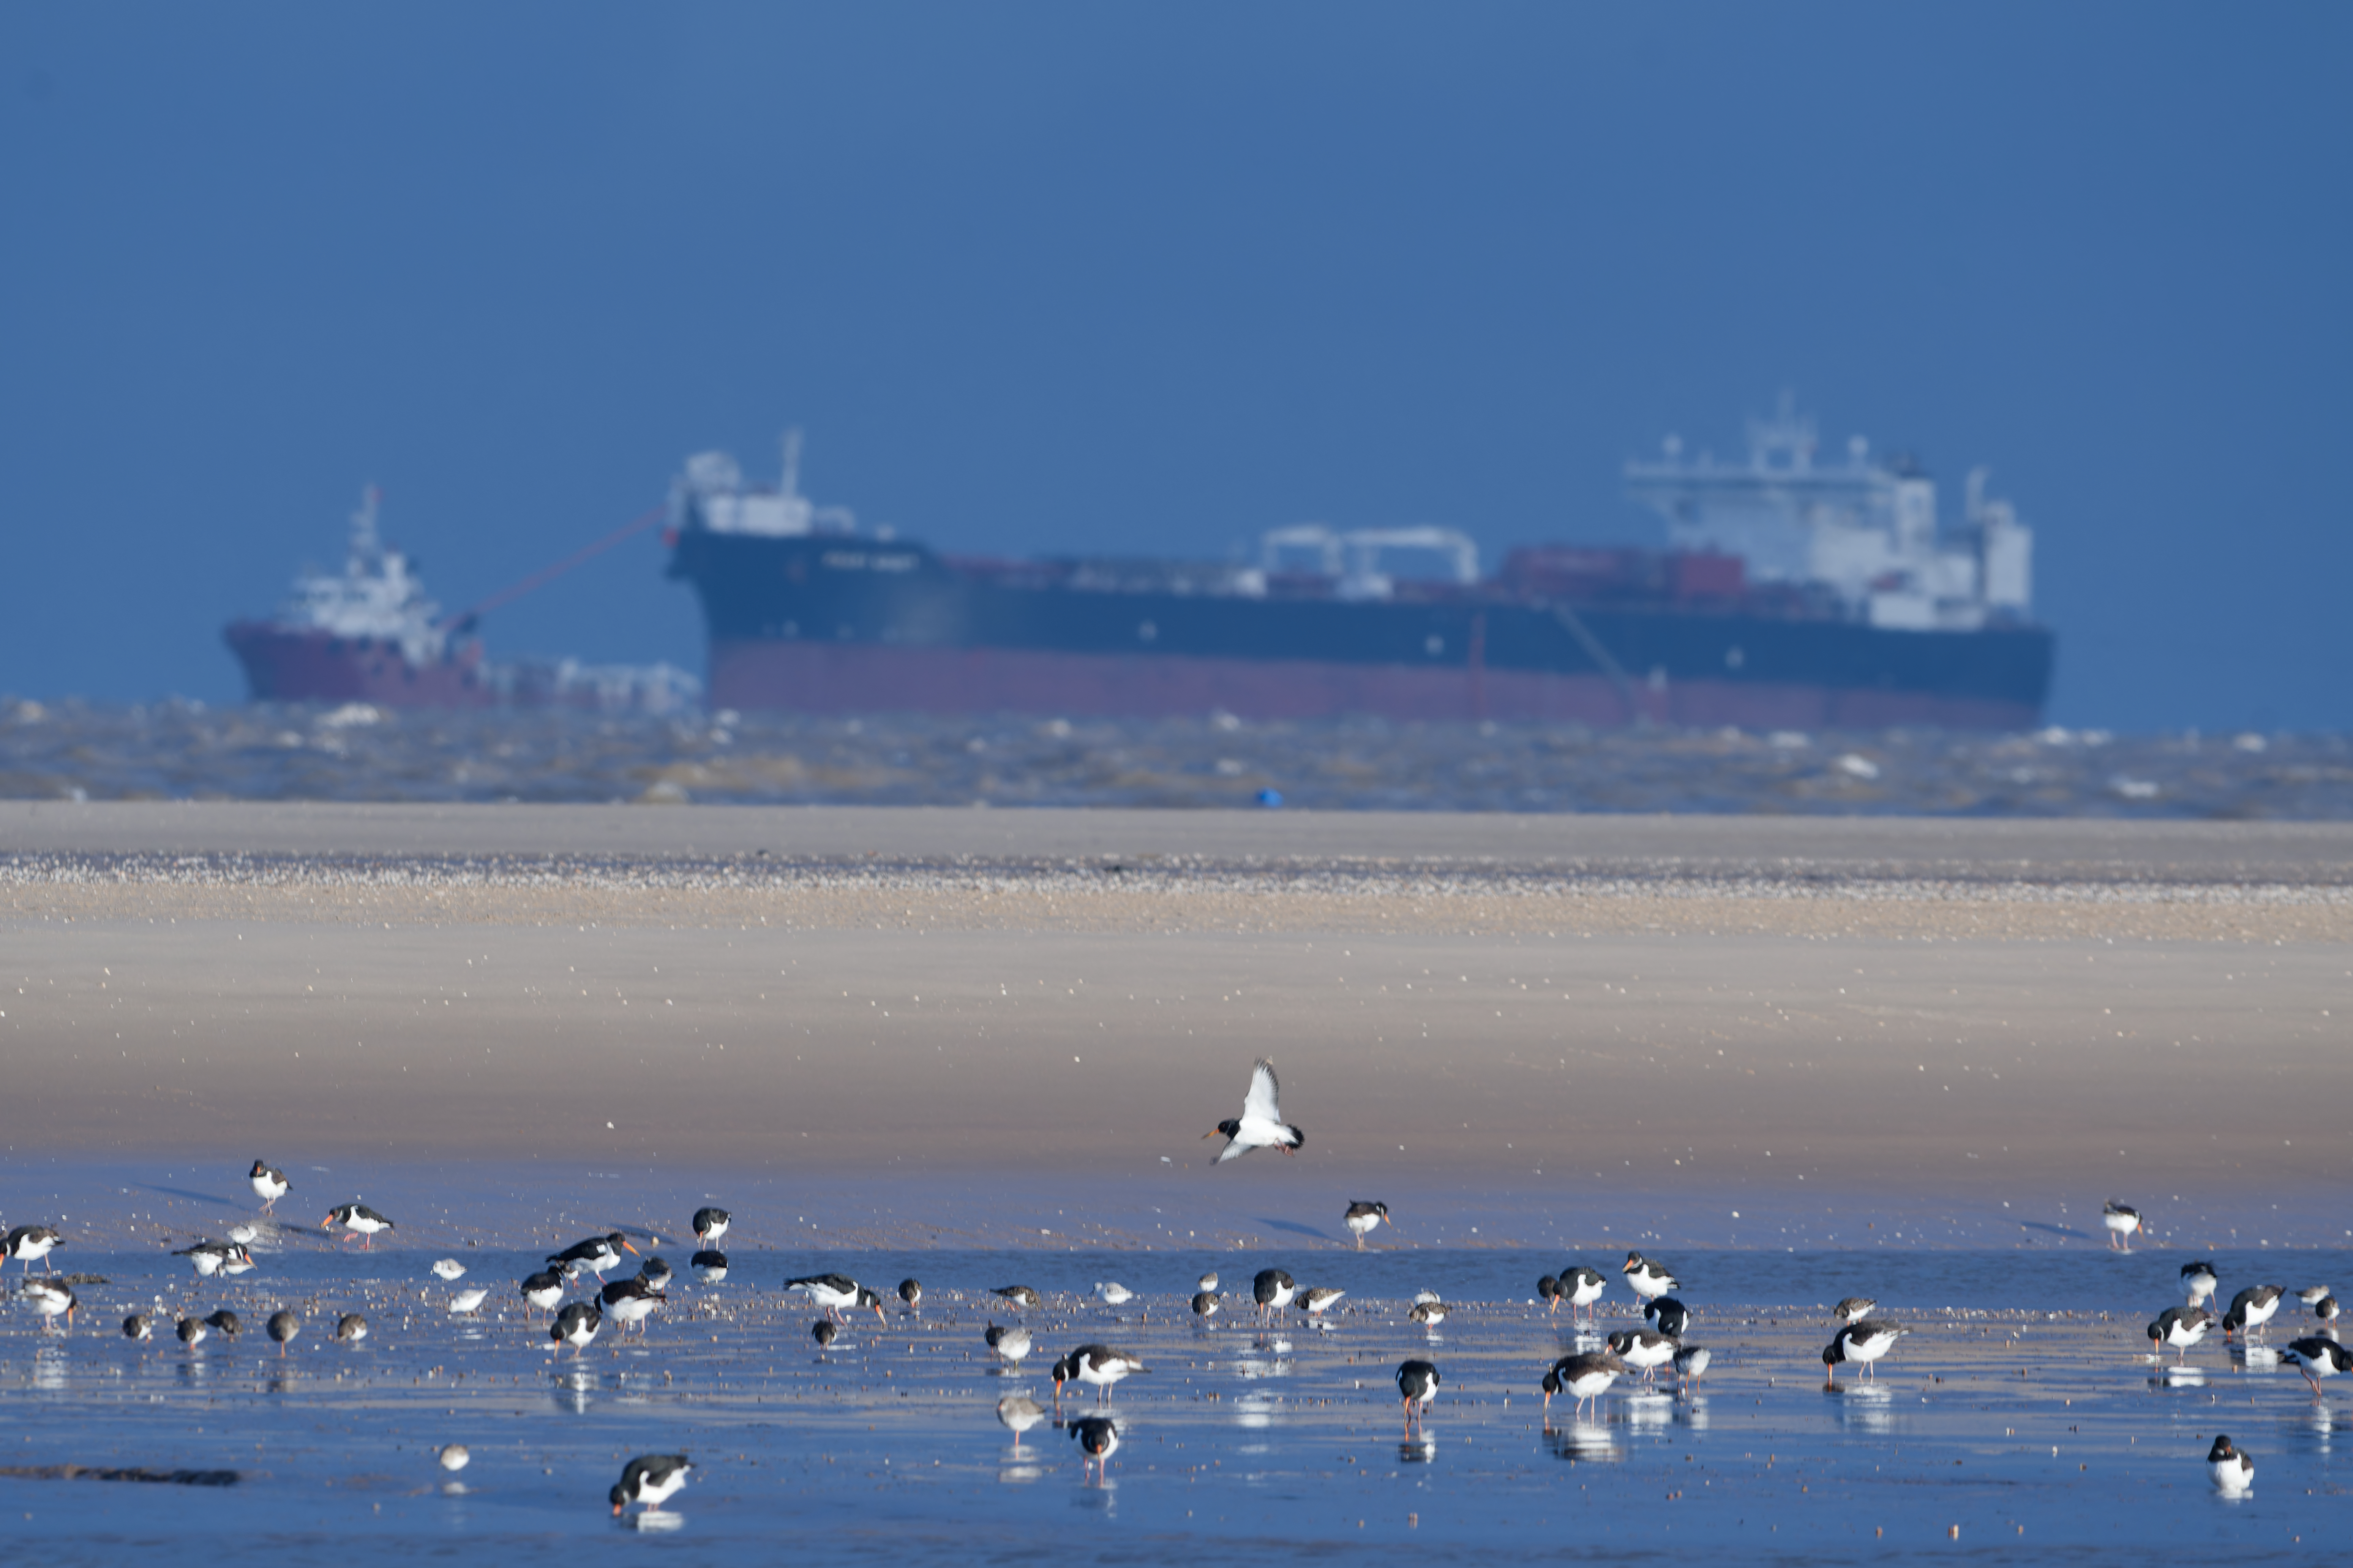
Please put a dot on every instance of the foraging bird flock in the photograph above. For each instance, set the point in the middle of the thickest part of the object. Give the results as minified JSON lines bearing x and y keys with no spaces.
{"x":1585,"y":1376}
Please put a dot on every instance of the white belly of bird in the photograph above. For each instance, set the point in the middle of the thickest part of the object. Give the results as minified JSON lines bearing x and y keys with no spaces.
{"x":2124,"y":1223}
{"x":633,"y":1308}
{"x":467,"y":1300}
{"x":2233,"y":1474}
{"x":1871,"y":1349}
{"x":1643,"y":1357}
{"x":1649,"y":1284}
{"x":1106,"y":1375}
{"x":1587,"y":1292}
{"x":2259,"y":1315}
{"x":654,"y":1493}
{"x":542,"y":1299}
{"x":1592,"y":1384}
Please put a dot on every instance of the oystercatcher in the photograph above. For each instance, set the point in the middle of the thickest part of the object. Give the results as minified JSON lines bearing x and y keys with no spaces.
{"x":2232,"y":1470}
{"x":28,"y":1242}
{"x":542,"y":1291}
{"x":593,"y":1255}
{"x":576,"y":1325}
{"x":2199,"y":1278}
{"x":1363,"y":1219}
{"x":192,"y":1332}
{"x":1098,"y":1438}
{"x":1017,"y":1413}
{"x":1428,"y":1314}
{"x":824,"y":1334}
{"x":1111,"y":1293}
{"x":709,"y":1267}
{"x":649,"y":1478}
{"x":283,"y":1326}
{"x":2252,"y":1308}
{"x":465,"y":1303}
{"x":655,"y":1271}
{"x":1647,"y":1277}
{"x":1644,"y":1350}
{"x":138,"y":1327}
{"x":1272,"y":1290}
{"x":1853,"y":1310}
{"x":209,"y":1257}
{"x":709,"y":1225}
{"x":911,"y":1292}
{"x":1417,"y":1384}
{"x":835,"y":1293}
{"x":1098,"y":1366}
{"x":2122,"y":1220}
{"x":1010,"y":1344}
{"x":351,"y":1329}
{"x":1667,"y":1315}
{"x":1691,"y":1365}
{"x":1206,"y":1305}
{"x":630,"y":1302}
{"x":1585,"y":1378}
{"x":50,"y":1299}
{"x":2317,"y":1358}
{"x":238,"y":1262}
{"x":1582,"y":1287}
{"x":270,"y":1185}
{"x":1866,"y":1342}
{"x":1549,"y":1292}
{"x":2180,"y":1327}
{"x":1260,"y":1125}
{"x":358,"y":1219}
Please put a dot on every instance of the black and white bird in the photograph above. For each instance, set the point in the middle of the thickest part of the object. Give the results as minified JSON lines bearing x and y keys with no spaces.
{"x":651,"y":1480}
{"x":910,"y":1291}
{"x":1549,"y":1292}
{"x":1428,"y":1314}
{"x":1017,"y":1413}
{"x":576,"y":1325}
{"x":358,"y":1219}
{"x":351,"y":1329}
{"x":2251,"y":1309}
{"x":1691,"y":1365}
{"x":1273,"y":1289}
{"x":27,"y":1243}
{"x":1647,"y":1277}
{"x":1584,"y":1378}
{"x":139,"y":1328}
{"x":192,"y":1332}
{"x":2122,"y":1220}
{"x":1099,"y":1367}
{"x":1853,"y":1310}
{"x":709,"y":1225}
{"x":709,"y":1267}
{"x":2199,"y":1278}
{"x":2180,"y":1327}
{"x":1582,"y":1287}
{"x":1667,"y":1315}
{"x":270,"y":1184}
{"x":655,"y":1271}
{"x":593,"y":1255}
{"x":283,"y":1326}
{"x":2317,"y":1358}
{"x":1417,"y":1381}
{"x":1098,"y":1439}
{"x":2234,"y":1473}
{"x":2325,"y":1309}
{"x":1317,"y":1299}
{"x":837,"y":1293}
{"x":1021,"y":1296}
{"x":1644,"y":1350}
{"x":51,"y":1299}
{"x":629,"y":1302}
{"x":209,"y":1257}
{"x":1261,"y":1124}
{"x":1206,"y":1305}
{"x":542,"y":1291}
{"x":1010,"y":1344}
{"x":1866,"y":1342}
{"x":1364,"y":1218}
{"x":824,"y":1332}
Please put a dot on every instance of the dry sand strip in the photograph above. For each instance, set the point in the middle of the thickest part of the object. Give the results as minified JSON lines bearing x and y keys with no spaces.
{"x":1949,"y":1029}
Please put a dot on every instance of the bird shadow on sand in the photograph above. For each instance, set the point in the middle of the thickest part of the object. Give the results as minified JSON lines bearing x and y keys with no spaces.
{"x":1293,"y":1227}
{"x":2067,"y":1230}
{"x":185,"y":1193}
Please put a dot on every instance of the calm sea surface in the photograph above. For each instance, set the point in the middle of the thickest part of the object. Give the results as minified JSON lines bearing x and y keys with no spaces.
{"x":356,"y":753}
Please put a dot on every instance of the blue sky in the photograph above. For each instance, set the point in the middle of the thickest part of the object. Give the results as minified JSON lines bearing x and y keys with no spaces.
{"x":1155,"y":278}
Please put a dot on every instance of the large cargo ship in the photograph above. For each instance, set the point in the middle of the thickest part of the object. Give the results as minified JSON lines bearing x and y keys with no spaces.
{"x":369,"y":634}
{"x":1790,"y":593}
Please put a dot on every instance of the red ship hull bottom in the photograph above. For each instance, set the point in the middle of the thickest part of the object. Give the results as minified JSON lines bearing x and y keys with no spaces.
{"x":282,"y":665}
{"x":865,"y":678}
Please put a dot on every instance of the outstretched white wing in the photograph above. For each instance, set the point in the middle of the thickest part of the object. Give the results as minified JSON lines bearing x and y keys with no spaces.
{"x":1258,"y":1105}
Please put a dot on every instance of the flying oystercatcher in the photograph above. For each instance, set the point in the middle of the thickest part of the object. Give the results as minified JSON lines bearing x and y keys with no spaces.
{"x":1261,"y":1124}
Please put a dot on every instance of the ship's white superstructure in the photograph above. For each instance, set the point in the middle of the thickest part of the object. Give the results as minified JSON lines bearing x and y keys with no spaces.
{"x":712,"y":490}
{"x":377,"y":597}
{"x":1865,"y":529}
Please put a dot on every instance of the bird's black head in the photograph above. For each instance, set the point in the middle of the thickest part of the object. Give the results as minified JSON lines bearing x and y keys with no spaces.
{"x":1231,"y":1127}
{"x":2220,"y":1450}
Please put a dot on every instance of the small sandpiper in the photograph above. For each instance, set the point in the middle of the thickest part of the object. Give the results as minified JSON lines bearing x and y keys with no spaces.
{"x":465,"y":1303}
{"x":224,"y":1323}
{"x":1021,"y":1296}
{"x":138,"y":1327}
{"x":283,"y":1326}
{"x":1017,"y":1413}
{"x":1364,"y":1218}
{"x":824,"y":1334}
{"x":1208,"y":1281}
{"x":449,"y":1269}
{"x":192,"y":1332}
{"x":910,"y":1291}
{"x":1111,"y":1293}
{"x":1316,"y":1300}
{"x":1010,"y":1344}
{"x":1853,"y":1310}
{"x":1206,"y":1305}
{"x":351,"y":1329}
{"x":1428,"y":1314}
{"x":655,"y":1271}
